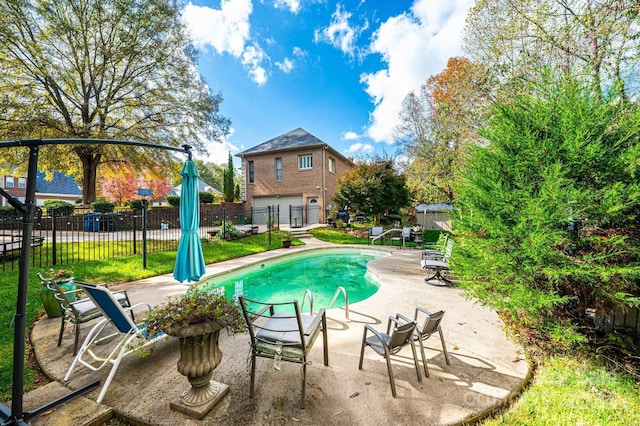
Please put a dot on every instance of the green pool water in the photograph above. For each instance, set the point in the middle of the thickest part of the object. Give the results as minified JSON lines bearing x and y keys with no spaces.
{"x":287,"y":278}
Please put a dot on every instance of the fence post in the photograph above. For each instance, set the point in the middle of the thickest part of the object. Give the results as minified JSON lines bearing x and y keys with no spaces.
{"x":145,"y":203}
{"x":54,"y":253}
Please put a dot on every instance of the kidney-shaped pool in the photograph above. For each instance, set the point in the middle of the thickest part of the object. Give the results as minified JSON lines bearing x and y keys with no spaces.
{"x":285,"y":278}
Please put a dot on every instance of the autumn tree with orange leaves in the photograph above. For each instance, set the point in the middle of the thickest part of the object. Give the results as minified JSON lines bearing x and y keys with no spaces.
{"x":437,"y":122}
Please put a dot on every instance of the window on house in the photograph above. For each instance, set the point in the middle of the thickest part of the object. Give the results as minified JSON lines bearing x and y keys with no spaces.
{"x":22,"y":183}
{"x":278,"y":169}
{"x":332,"y":165}
{"x":305,"y":162}
{"x":9,"y":182}
{"x":250,"y":171}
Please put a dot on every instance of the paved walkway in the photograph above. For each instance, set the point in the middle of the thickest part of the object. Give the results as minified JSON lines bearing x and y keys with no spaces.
{"x":487,"y":368}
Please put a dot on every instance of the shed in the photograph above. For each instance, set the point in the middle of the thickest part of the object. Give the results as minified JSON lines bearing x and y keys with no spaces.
{"x":434,"y":216}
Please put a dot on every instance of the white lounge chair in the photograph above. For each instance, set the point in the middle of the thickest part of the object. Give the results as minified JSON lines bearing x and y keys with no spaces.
{"x":131,"y":336}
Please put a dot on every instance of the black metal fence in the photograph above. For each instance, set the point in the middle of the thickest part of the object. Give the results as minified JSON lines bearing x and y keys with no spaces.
{"x":93,"y":236}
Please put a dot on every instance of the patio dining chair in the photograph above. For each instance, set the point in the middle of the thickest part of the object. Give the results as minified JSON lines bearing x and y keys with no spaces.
{"x":280,"y":332}
{"x":128,"y":337}
{"x":374,"y":233}
{"x":78,"y":310}
{"x":390,"y":343}
{"x":425,"y":328}
{"x":403,"y":237}
{"x":439,"y":265}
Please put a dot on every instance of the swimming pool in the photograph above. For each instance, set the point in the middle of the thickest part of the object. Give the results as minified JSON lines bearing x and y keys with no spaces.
{"x":286,"y":278}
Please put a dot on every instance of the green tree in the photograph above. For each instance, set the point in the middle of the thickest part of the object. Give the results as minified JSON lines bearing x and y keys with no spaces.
{"x":101,"y":69}
{"x":229,"y":181}
{"x":436,"y":122}
{"x":373,"y":188}
{"x":547,"y":211}
{"x":594,"y":38}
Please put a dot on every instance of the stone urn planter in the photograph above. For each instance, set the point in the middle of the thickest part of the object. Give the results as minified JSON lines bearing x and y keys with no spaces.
{"x":199,"y":356}
{"x":286,"y":243}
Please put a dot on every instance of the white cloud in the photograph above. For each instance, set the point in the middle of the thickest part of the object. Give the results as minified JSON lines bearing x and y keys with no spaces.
{"x":340,"y":34}
{"x":218,"y":152}
{"x":285,"y":66}
{"x":349,"y":136}
{"x":360,"y":148}
{"x":252,"y":58}
{"x":414,"y":45}
{"x":299,"y":52}
{"x":226,"y":29}
{"x":292,"y":5}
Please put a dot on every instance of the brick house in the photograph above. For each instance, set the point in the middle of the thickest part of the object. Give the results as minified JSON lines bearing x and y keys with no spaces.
{"x":61,"y":187}
{"x":295,"y":172}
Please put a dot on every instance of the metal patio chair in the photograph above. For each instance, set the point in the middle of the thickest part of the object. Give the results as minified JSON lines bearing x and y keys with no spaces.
{"x":285,"y":335}
{"x":390,"y":344}
{"x":429,"y":325}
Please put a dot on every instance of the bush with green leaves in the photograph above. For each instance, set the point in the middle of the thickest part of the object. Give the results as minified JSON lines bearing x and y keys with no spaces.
{"x":205,"y":197}
{"x":57,"y":208}
{"x":102,"y":206}
{"x":229,"y":230}
{"x":8,"y":212}
{"x":173,"y":200}
{"x":135,"y":204}
{"x":547,"y":211}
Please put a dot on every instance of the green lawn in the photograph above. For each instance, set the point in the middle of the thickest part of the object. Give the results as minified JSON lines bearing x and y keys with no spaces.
{"x":116,"y":270}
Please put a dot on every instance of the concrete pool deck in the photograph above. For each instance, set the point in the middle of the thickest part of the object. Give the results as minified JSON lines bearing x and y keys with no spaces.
{"x":487,"y":369}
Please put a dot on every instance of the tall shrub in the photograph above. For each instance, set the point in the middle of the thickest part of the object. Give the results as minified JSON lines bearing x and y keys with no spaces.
{"x":547,"y":209}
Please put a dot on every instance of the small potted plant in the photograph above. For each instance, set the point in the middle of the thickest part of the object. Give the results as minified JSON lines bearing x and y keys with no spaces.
{"x":62,"y":277}
{"x":196,"y":318}
{"x":286,"y":243}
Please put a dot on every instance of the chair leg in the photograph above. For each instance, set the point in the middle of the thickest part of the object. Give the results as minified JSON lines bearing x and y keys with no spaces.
{"x":61,"y":331}
{"x":364,"y":339}
{"x":424,"y":358}
{"x":76,"y":339}
{"x":324,"y":340}
{"x":253,"y":374}
{"x":415,"y":361}
{"x":304,"y":382}
{"x":444,"y":346}
{"x":390,"y":371}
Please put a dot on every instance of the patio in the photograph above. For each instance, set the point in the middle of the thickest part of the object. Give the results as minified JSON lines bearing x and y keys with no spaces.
{"x":486,"y":371}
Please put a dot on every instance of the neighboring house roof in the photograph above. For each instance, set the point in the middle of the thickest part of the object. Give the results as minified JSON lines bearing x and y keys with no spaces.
{"x":61,"y":184}
{"x":421,"y":208}
{"x":202,"y":187}
{"x":293,"y":140}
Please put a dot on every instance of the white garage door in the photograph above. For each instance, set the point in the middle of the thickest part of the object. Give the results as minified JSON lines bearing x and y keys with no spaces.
{"x":261,"y":203}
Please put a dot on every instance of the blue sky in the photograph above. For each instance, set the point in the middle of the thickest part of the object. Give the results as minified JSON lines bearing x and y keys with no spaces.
{"x":338,"y":69}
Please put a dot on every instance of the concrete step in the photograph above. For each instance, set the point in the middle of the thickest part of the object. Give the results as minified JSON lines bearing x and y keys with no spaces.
{"x":300,"y":233}
{"x":78,"y":412}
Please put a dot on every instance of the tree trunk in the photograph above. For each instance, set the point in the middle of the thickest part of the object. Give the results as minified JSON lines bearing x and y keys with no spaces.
{"x":90,"y":160}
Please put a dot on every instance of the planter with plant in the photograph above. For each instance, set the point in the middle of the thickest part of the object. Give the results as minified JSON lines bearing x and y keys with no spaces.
{"x":64,"y":279}
{"x":196,"y":318}
{"x":286,"y":243}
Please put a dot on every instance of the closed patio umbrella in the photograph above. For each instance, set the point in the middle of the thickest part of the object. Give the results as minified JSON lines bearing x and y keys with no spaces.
{"x":189,"y":261}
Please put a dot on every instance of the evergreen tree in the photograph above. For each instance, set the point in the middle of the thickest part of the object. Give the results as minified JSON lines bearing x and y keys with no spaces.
{"x":229,"y":181}
{"x":547,"y":210}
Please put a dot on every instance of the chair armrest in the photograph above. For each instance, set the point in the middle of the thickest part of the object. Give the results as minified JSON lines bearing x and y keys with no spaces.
{"x":316,"y":321}
{"x":402,"y":317}
{"x":375,"y":333}
{"x":137,"y":305}
{"x":424,"y":311}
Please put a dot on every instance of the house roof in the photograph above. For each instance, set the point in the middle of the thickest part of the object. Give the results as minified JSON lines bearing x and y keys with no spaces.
{"x":421,"y":208}
{"x":60,"y":184}
{"x":295,"y":139}
{"x":202,"y":187}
